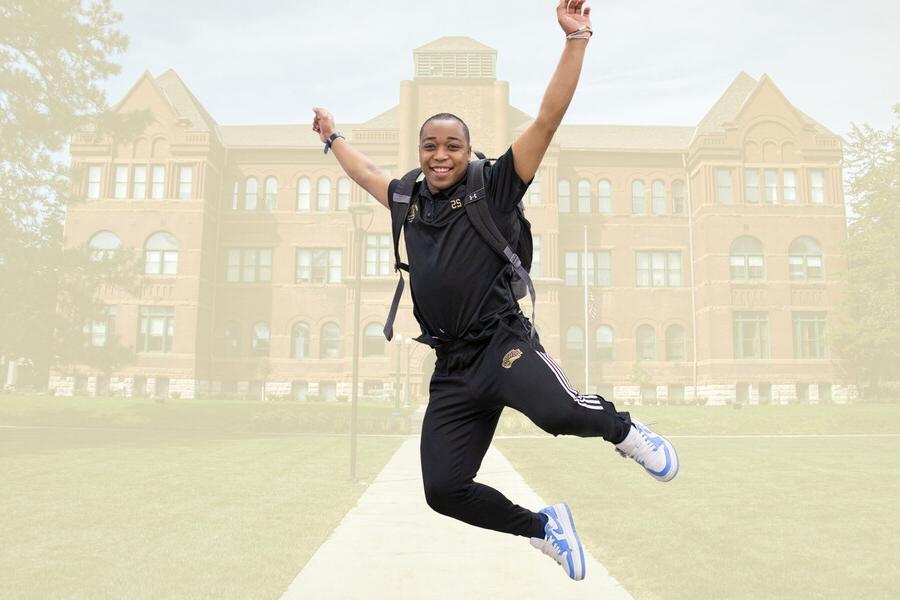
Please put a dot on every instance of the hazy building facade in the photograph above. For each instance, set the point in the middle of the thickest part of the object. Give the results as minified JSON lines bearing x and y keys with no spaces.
{"x":713,"y":264}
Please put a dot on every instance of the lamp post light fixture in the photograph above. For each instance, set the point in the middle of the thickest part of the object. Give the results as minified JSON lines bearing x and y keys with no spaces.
{"x":406,"y":395}
{"x":362,"y":217}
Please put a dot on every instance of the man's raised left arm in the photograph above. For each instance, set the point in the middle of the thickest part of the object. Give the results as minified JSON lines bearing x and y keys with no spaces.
{"x":529,"y":148}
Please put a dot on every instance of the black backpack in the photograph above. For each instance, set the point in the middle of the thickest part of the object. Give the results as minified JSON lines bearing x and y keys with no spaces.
{"x":518,"y":251}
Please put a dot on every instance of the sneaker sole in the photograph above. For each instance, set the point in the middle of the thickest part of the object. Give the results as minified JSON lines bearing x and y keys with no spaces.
{"x":568,"y":524}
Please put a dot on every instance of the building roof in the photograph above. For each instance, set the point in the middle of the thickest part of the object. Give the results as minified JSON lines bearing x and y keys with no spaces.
{"x":184,"y":102}
{"x":624,"y":137}
{"x":273,"y":136}
{"x":455,"y":43}
{"x":730,"y":104}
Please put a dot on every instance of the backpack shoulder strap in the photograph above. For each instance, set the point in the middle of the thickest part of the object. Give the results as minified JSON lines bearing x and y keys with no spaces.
{"x":400,"y":201}
{"x":480,"y":216}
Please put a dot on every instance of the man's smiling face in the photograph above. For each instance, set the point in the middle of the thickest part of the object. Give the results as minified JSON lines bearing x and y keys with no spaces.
{"x":443,"y":153}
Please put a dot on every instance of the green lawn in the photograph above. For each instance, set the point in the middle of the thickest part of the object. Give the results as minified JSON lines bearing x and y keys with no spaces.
{"x":147,"y":513}
{"x":201,"y":415}
{"x":749,"y":517}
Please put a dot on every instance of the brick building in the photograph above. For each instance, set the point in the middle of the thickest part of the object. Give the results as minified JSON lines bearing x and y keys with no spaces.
{"x":713,"y":261}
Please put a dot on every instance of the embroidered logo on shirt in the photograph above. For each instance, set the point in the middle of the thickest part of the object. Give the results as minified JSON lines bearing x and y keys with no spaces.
{"x":411,"y":214}
{"x":511,"y":357}
{"x":455,"y":203}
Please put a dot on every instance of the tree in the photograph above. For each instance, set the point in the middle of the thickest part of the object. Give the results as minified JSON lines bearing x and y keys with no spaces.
{"x":869,"y":337}
{"x":53,"y":54}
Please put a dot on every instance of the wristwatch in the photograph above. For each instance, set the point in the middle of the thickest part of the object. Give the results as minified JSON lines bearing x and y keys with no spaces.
{"x":331,"y":138}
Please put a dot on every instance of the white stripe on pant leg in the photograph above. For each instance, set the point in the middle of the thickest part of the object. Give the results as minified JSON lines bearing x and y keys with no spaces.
{"x":587,"y":398}
{"x":578,"y":398}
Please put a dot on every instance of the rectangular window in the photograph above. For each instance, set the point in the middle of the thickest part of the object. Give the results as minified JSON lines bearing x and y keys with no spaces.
{"x":378,"y":255}
{"x":139,"y":187}
{"x":93,"y":182}
{"x":99,"y":331}
{"x":789,"y":178}
{"x":234,"y":265}
{"x":535,"y":257}
{"x":572,"y":261}
{"x":603,"y":266}
{"x":235,"y":193}
{"x":771,"y":178}
{"x":751,"y":335}
{"x":599,"y":268}
{"x":751,"y":186}
{"x":604,"y":197}
{"x":249,"y":265}
{"x":156,"y":329}
{"x":723,"y":185}
{"x":533,"y":197}
{"x":185,"y":182}
{"x":817,"y":186}
{"x":158,"y":182}
{"x":809,"y":335}
{"x":318,"y":265}
{"x":120,"y":190}
{"x":658,"y":269}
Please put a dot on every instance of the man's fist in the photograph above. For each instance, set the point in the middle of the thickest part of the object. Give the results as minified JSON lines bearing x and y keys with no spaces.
{"x":323,"y":123}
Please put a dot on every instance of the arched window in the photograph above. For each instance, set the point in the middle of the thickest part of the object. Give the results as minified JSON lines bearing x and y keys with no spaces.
{"x":658,"y":197}
{"x":323,"y":194}
{"x":104,"y":245}
{"x":161,"y":254}
{"x":259,"y":344}
{"x":300,"y":340}
{"x":747,"y":262}
{"x":675,"y":343}
{"x":250,"y":193}
{"x":605,"y":342}
{"x":534,"y":190}
{"x":343,"y":193}
{"x":805,"y":260}
{"x":646,"y":343}
{"x":604,"y":196}
{"x":232,"y":339}
{"x":584,"y":196}
{"x":271,"y":193}
{"x":565,"y":196}
{"x":637,"y":197}
{"x":304,"y":191}
{"x":373,"y":341}
{"x":679,"y":206}
{"x":330,"y":342}
{"x":574,"y":341}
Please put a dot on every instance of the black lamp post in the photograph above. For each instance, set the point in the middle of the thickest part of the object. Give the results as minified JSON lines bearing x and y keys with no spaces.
{"x":362,"y":219}
{"x":399,"y":339}
{"x":408,"y":343}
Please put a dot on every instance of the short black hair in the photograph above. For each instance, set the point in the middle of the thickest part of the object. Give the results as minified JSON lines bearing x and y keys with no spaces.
{"x":445,"y":117}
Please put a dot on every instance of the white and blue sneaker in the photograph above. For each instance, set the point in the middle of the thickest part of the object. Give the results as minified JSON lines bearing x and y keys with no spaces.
{"x":650,"y":450}
{"x":560,"y":540}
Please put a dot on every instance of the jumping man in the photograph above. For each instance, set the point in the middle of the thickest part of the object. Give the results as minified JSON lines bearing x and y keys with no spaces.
{"x":488,"y":356}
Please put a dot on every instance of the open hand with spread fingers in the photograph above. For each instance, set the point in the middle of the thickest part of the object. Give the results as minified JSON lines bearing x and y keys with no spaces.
{"x":574,"y":18}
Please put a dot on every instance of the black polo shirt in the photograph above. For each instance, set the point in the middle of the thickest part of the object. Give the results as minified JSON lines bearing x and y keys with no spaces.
{"x":459,"y":285}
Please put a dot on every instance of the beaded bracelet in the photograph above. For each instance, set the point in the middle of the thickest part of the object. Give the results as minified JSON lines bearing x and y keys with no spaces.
{"x":582,"y":33}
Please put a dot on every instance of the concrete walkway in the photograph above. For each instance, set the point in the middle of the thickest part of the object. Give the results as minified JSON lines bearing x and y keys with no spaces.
{"x":392,"y":546}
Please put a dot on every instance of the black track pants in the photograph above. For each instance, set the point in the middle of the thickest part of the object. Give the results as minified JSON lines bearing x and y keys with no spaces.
{"x":468,"y":391}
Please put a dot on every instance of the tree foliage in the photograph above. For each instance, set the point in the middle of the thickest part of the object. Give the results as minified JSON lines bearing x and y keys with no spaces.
{"x":869,"y":336}
{"x":53,"y":55}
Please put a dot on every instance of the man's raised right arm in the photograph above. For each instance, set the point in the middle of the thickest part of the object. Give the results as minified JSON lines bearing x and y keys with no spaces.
{"x":356,"y":165}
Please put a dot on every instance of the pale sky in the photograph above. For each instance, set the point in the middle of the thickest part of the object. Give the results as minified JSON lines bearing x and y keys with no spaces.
{"x":654,"y":62}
